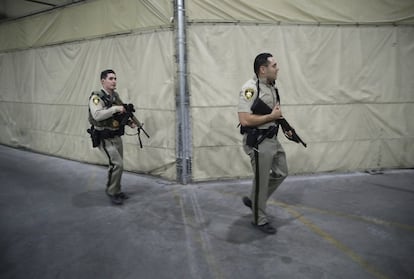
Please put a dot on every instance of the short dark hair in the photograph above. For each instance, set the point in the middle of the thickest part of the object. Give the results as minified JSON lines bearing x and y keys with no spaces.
{"x":105,"y":73}
{"x":261,"y":60}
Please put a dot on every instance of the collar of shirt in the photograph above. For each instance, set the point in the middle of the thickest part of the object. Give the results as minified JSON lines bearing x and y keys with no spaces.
{"x":263,"y":81}
{"x":106,"y":92}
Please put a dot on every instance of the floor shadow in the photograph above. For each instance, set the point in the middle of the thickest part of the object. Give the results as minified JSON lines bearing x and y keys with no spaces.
{"x":242,"y":231}
{"x":92,"y":198}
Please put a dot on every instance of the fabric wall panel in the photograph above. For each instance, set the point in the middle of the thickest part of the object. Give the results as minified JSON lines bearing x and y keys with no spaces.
{"x":215,"y":126}
{"x":337,"y":86}
{"x":45,"y":94}
{"x":330,"y":156}
{"x":351,"y":122}
{"x":397,"y":152}
{"x":150,"y":160}
{"x":393,"y":120}
{"x":220,"y":161}
{"x":347,"y":155}
{"x":403,"y":47}
{"x":314,"y":11}
{"x":220,"y":50}
{"x":360,"y":62}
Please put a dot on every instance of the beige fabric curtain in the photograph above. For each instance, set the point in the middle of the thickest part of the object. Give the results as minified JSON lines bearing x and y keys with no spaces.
{"x":347,"y":88}
{"x":299,"y":11}
{"x":45,"y":93}
{"x":348,"y":91}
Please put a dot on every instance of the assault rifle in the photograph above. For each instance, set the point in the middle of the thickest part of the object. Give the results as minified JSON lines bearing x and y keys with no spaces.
{"x":261,"y":108}
{"x":129,"y":114}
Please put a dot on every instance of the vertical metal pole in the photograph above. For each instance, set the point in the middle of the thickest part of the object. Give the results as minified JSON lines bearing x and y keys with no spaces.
{"x":182,"y":100}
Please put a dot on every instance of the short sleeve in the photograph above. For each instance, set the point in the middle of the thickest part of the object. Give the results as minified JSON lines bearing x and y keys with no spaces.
{"x":247,"y":95}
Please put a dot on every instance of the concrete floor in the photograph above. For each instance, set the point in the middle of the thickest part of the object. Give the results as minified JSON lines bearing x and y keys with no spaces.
{"x":56,"y":222}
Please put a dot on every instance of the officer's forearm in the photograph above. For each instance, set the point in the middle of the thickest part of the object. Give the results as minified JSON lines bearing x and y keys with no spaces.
{"x":252,"y":120}
{"x":102,"y":114}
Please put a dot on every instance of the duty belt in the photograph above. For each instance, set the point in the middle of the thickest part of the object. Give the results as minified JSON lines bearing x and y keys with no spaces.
{"x":108,"y":134}
{"x":256,"y":136}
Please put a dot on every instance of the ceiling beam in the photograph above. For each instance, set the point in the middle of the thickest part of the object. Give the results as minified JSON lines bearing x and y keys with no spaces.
{"x":41,"y":2}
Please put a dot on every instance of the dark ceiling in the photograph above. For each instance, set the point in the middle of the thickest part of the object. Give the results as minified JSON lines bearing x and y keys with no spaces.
{"x":12,"y":9}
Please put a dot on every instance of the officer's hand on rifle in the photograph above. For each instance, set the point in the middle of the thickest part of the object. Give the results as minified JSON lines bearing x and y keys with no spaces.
{"x":289,"y":134}
{"x":120,"y":109}
{"x":276,"y":113}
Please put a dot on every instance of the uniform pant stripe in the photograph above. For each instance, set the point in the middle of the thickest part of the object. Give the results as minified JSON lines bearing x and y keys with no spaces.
{"x":257,"y":187}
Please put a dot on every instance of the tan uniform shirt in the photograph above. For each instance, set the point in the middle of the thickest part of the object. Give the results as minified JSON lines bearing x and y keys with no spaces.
{"x":248,"y":94}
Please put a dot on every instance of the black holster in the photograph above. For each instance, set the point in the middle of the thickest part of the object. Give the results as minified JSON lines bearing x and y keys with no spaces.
{"x":95,"y":137}
{"x":252,"y":136}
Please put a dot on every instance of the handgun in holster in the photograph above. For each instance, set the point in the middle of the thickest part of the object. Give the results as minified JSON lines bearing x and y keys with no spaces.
{"x":95,"y":137}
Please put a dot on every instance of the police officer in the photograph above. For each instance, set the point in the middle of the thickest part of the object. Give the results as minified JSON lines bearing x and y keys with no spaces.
{"x":105,"y":107}
{"x":267,"y":156}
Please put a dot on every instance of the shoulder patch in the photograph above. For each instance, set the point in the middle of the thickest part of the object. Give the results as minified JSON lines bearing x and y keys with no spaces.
{"x":248,"y":93}
{"x":96,"y":100}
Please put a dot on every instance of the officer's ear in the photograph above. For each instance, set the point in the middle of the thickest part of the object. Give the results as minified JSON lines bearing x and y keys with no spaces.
{"x":262,"y":69}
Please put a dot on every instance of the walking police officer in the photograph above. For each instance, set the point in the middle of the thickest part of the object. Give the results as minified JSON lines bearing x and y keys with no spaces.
{"x":105,"y":109}
{"x":260,"y":141}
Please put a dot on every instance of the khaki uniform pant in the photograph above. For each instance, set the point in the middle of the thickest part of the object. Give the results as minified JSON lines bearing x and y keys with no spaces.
{"x":113,"y":149}
{"x":271,"y":170}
